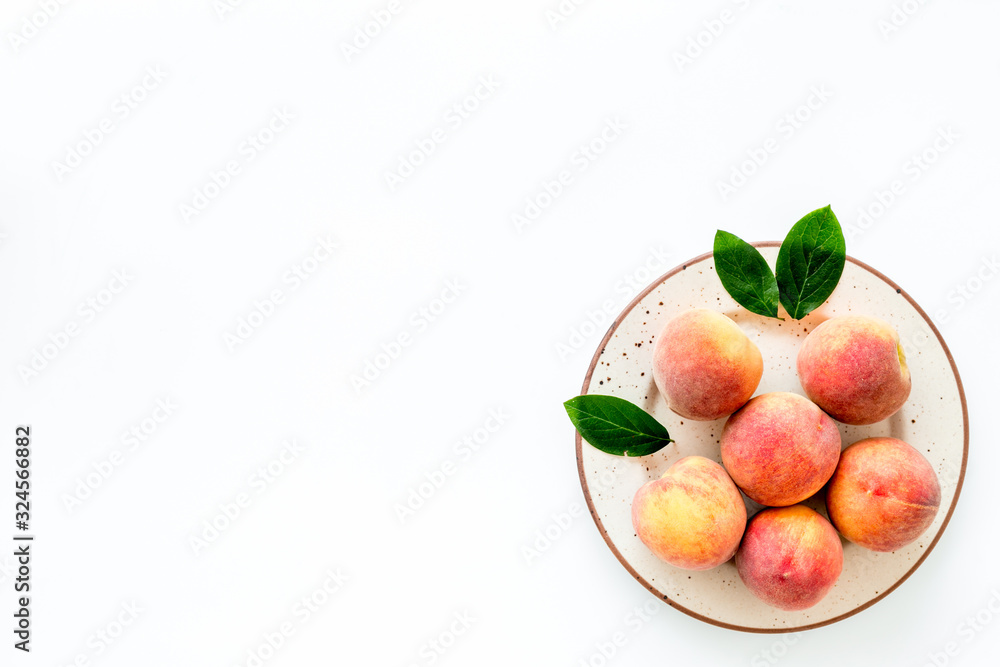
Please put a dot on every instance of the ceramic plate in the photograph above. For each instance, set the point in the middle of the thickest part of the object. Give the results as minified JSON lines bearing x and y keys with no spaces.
{"x":934,"y":420}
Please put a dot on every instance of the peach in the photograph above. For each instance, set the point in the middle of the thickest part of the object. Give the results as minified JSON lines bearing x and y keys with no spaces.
{"x":883,"y":495}
{"x":704,"y":366}
{"x":780,"y":448}
{"x":692,"y":516}
{"x":854,"y":368}
{"x":790,"y":557}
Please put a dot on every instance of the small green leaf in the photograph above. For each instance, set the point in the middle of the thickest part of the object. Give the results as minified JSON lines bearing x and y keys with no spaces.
{"x":810,"y":262}
{"x":615,"y":426}
{"x":745,"y":274}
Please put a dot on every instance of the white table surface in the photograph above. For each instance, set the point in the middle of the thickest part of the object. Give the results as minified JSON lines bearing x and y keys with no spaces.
{"x":133,"y":302}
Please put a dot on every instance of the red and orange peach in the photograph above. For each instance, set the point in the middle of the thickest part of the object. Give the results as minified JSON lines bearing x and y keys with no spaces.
{"x":884,"y":494}
{"x":790,"y":557}
{"x":704,"y":366}
{"x":692,"y":517}
{"x":780,"y":448}
{"x":854,"y":368}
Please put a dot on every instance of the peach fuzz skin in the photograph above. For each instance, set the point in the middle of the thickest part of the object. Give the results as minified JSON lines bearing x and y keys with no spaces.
{"x":854,"y":368}
{"x":790,"y":557}
{"x":780,"y":448}
{"x":884,"y":494}
{"x":692,"y":517}
{"x":704,"y":366}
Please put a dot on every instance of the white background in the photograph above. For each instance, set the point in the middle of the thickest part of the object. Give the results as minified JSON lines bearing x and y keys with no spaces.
{"x":523,"y":290}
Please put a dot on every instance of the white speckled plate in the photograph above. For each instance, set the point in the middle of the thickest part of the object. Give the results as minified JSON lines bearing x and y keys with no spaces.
{"x":934,"y":420}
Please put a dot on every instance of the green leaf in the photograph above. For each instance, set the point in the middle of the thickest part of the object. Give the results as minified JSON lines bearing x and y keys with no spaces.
{"x":810,"y":262}
{"x":615,"y":426}
{"x":745,"y":274}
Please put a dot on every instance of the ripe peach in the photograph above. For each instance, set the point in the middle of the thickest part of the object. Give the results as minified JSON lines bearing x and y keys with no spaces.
{"x":883,"y":495}
{"x":691,"y":517}
{"x":790,"y":557}
{"x":854,"y":368}
{"x":780,"y":448}
{"x":705,"y":366}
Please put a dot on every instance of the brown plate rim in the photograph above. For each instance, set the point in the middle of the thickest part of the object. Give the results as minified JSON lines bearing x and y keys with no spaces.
{"x":743,"y":628}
